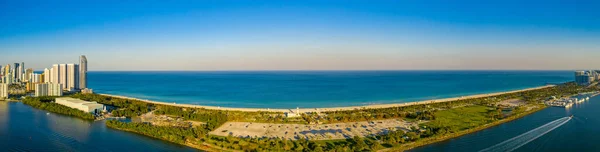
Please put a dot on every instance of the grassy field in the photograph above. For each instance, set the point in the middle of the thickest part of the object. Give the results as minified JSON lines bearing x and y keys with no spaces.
{"x":461,"y":118}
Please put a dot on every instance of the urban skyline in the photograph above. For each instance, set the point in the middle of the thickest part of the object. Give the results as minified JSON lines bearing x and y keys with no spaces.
{"x":49,"y":82}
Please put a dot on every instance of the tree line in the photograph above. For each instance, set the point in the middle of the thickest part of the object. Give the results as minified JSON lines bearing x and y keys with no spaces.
{"x":46,"y":103}
{"x":125,"y":107}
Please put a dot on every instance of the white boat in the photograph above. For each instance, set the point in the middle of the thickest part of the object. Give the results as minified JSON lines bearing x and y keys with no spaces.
{"x":47,"y":113}
{"x":568,"y":105}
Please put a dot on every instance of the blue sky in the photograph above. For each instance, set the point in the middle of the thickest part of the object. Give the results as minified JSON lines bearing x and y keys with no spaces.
{"x":302,"y":35}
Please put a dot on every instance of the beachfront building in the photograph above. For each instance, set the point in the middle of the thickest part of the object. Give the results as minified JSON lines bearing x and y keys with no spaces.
{"x":65,"y":74}
{"x":72,"y":77}
{"x":62,"y":75}
{"x":585,"y":77}
{"x":82,"y":72}
{"x":292,"y":114}
{"x":3,"y":90}
{"x":87,"y":91}
{"x":48,"y":89}
{"x":55,"y":74}
{"x":85,"y":106}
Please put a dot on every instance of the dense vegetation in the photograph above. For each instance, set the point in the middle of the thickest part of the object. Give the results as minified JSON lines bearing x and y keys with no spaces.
{"x":45,"y":103}
{"x":442,"y":120}
{"x":126,"y":107}
{"x":213,"y":119}
{"x":264,"y":144}
{"x":173,"y":134}
{"x":197,"y":136}
{"x":425,"y":112}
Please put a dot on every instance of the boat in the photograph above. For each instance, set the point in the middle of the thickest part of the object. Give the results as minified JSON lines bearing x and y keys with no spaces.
{"x":47,"y":113}
{"x":571,"y":116}
{"x":568,"y":105}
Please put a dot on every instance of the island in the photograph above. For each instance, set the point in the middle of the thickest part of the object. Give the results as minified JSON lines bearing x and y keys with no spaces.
{"x":390,"y":127}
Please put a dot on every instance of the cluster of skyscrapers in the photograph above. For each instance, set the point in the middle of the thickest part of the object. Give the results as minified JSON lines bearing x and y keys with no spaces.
{"x":12,"y":74}
{"x":586,"y":77}
{"x":52,"y":82}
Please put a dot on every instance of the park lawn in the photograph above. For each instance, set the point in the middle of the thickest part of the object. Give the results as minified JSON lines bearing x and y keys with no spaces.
{"x":461,"y":118}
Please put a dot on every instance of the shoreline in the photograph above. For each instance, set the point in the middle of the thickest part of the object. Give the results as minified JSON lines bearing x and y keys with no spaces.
{"x":348,"y":108}
{"x":409,"y":146}
{"x":199,"y":147}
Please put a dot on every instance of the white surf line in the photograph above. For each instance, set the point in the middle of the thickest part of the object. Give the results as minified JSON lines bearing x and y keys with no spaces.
{"x":518,"y":141}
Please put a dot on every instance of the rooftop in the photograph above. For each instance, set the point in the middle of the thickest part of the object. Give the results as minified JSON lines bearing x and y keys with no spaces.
{"x":78,"y":101}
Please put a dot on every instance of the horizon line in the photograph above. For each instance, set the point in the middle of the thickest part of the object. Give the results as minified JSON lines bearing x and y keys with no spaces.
{"x":335,"y":70}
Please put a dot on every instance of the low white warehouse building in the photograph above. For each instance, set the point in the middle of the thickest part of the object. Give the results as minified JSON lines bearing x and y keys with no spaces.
{"x":86,"y":106}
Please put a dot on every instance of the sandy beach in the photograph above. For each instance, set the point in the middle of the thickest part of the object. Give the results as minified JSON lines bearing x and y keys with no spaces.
{"x":303,"y":110}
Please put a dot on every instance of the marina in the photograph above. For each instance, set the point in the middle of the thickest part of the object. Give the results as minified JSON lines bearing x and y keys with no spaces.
{"x":568,"y":137}
{"x":568,"y":102}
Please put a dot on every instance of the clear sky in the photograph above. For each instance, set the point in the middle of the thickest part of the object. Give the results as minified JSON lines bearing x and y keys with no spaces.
{"x":302,"y":35}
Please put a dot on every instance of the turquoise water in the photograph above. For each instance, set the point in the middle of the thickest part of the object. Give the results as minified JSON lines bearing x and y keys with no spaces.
{"x":23,"y":128}
{"x":314,"y":89}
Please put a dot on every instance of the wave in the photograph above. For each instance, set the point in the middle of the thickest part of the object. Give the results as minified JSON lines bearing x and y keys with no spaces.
{"x":518,"y":141}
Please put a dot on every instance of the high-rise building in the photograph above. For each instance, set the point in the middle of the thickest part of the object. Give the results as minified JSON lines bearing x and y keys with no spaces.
{"x":7,"y":70}
{"x":42,"y":78}
{"x":584,"y":77}
{"x":41,"y":89}
{"x":48,"y":89}
{"x":15,"y":72}
{"x":72,"y":77}
{"x":29,"y":86}
{"x":36,"y":78}
{"x":1,"y":74}
{"x":3,"y":90}
{"x":9,"y":79}
{"x":54,"y":89}
{"x":82,"y":72}
{"x":55,"y":73}
{"x":47,"y":75}
{"x":22,"y":72}
{"x":28,"y":74}
{"x":67,"y":75}
{"x":62,"y":75}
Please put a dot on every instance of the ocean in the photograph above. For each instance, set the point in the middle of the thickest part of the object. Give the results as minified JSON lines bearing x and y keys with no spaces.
{"x":313,"y":89}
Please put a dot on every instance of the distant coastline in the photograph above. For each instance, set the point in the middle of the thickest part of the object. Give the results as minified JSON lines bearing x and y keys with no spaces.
{"x":303,"y":110}
{"x":314,"y":89}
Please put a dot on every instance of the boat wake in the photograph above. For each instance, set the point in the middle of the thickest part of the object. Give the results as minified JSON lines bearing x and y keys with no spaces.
{"x":518,"y":141}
